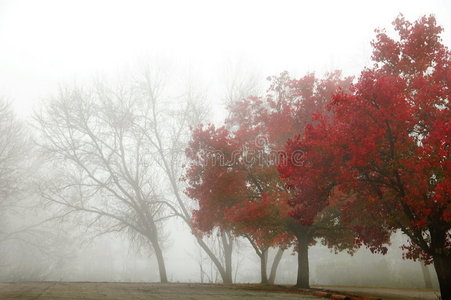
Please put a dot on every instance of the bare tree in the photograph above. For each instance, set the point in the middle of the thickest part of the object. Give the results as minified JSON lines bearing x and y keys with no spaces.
{"x":118,"y":158}
{"x":20,"y":228}
{"x":15,"y":162}
{"x":104,"y":164}
{"x":240,"y":81}
{"x":169,"y":139}
{"x":14,"y":147}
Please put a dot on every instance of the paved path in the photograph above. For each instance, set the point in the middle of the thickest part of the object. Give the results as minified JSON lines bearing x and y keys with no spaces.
{"x":117,"y":290}
{"x":387,"y":293}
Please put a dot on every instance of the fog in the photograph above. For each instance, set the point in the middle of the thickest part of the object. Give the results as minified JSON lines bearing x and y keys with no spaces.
{"x":65,"y":215}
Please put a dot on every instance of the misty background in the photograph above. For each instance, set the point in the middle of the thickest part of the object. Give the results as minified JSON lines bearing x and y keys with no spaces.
{"x":199,"y":56}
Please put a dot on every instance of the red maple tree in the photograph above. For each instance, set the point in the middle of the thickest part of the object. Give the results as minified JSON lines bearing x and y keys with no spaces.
{"x":388,"y":145}
{"x":236,"y":192}
{"x":233,"y":172}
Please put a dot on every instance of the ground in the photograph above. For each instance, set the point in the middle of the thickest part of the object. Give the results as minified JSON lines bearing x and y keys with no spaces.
{"x":117,"y":290}
{"x":178,"y":291}
{"x":387,"y":293}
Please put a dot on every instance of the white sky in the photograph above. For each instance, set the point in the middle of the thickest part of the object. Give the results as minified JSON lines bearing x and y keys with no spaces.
{"x":44,"y":43}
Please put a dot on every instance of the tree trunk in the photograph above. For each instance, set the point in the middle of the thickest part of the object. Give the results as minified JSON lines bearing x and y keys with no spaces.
{"x":160,"y":261}
{"x":228,"y":274}
{"x":228,"y":247}
{"x":215,"y":260}
{"x":263,"y":255}
{"x":275,"y":264}
{"x":263,"y":264}
{"x":303,"y":267}
{"x":442,"y":264}
{"x":426,"y":276}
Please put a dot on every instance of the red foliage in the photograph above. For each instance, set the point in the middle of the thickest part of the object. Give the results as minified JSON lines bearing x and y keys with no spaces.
{"x":377,"y":159}
{"x":396,"y":124}
{"x":245,"y":193}
{"x":385,"y":145}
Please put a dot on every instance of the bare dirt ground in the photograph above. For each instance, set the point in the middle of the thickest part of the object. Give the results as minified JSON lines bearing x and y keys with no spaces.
{"x":177,"y":291}
{"x":118,"y":290}
{"x":386,"y":293}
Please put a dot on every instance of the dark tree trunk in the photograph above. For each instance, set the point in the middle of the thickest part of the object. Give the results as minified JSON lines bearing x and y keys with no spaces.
{"x":426,"y":276}
{"x":275,"y":264}
{"x":441,"y":256}
{"x":442,"y":264}
{"x":263,"y":264}
{"x":303,"y":267}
